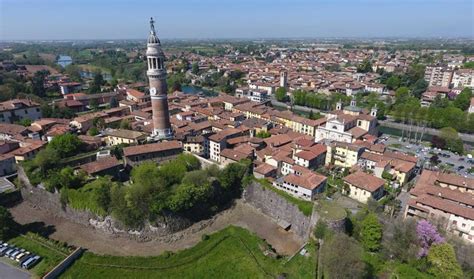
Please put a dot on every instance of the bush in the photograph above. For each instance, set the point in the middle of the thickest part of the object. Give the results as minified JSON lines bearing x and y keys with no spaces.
{"x":204,"y":237}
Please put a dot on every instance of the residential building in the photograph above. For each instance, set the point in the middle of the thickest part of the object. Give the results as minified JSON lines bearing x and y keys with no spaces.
{"x":305,"y":186}
{"x":18,"y":109}
{"x":463,"y":78}
{"x":157,"y":152}
{"x":438,"y":76}
{"x":217,"y":142}
{"x":121,"y":136}
{"x":104,"y":166}
{"x":447,"y":200}
{"x":343,"y":154}
{"x":362,"y":186}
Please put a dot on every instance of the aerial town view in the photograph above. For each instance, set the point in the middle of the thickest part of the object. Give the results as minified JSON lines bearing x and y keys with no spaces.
{"x":236,"y":139}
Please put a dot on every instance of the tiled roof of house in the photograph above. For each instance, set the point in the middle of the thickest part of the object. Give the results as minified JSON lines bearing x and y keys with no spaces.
{"x":151,"y":148}
{"x":100,"y":165}
{"x":364,"y":181}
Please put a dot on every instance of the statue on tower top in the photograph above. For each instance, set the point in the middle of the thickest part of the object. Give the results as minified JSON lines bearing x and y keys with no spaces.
{"x":152,"y":25}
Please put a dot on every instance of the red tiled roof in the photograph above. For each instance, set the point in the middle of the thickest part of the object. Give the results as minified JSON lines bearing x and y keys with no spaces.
{"x":151,"y":148}
{"x":364,"y":181}
{"x":100,"y":165}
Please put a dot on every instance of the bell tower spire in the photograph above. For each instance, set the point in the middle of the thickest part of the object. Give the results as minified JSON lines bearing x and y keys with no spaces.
{"x":158,"y":88}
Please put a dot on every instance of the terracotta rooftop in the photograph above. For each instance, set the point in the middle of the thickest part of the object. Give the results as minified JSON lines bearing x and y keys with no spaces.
{"x":364,"y":181}
{"x":308,"y":180}
{"x":100,"y":165}
{"x":151,"y":148}
{"x":264,"y":169}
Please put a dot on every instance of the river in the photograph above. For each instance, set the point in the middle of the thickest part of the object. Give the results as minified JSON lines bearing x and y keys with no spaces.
{"x":191,"y":89}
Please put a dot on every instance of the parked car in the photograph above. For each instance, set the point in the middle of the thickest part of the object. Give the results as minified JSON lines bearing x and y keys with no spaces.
{"x":21,"y":256}
{"x":24,"y":259}
{"x":16,"y":253}
{"x":10,"y":251}
{"x":31,"y":262}
{"x":3,"y":249}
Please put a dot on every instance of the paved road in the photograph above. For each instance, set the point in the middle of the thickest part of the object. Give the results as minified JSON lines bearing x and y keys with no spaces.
{"x":10,"y":272}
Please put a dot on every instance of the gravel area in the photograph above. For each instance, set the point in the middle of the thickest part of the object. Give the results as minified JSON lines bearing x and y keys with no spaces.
{"x":241,"y":214}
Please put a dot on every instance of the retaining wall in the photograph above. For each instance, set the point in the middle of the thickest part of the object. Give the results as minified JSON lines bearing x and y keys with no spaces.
{"x":278,"y":208}
{"x":62,"y":266}
{"x":165,"y":225}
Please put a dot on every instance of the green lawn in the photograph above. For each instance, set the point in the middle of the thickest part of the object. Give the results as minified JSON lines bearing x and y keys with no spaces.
{"x":230,"y":253}
{"x":51,"y":252}
{"x":306,"y":207}
{"x":330,"y":211}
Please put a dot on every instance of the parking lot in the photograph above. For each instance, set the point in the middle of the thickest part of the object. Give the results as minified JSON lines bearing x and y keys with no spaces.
{"x":17,"y":256}
{"x":10,"y":272}
{"x":456,"y":163}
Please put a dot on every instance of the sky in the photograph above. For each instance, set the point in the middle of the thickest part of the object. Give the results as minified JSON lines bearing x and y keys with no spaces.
{"x":195,"y":19}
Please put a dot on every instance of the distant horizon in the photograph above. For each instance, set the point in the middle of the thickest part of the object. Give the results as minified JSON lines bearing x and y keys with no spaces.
{"x":64,"y":20}
{"x":392,"y":38}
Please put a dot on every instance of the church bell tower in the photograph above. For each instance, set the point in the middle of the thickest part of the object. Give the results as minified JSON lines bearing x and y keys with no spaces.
{"x":158,"y":88}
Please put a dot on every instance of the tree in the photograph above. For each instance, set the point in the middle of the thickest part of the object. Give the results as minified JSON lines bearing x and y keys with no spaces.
{"x":371,"y":232}
{"x":280,"y":94}
{"x":93,"y":104}
{"x":96,"y":83}
{"x":125,"y":124}
{"x":46,"y":159}
{"x":145,"y":174}
{"x":400,"y":240}
{"x":419,"y":87}
{"x":24,"y":122}
{"x":442,"y":262}
{"x":66,"y":145}
{"x":365,"y":66}
{"x":188,"y":195}
{"x":113,"y":102}
{"x":195,"y":68}
{"x":93,"y":131}
{"x":452,"y":140}
{"x":314,"y":116}
{"x":401,"y":95}
{"x":263,"y":134}
{"x":342,"y":257}
{"x":6,"y":223}
{"x":103,"y":196}
{"x":393,"y":82}
{"x":37,"y":83}
{"x":64,"y":178}
{"x":73,"y":72}
{"x":427,"y":236}
{"x":463,"y":100}
{"x":321,"y":229}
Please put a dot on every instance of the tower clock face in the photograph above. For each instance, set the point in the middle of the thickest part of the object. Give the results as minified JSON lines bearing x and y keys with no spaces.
{"x":153,"y":91}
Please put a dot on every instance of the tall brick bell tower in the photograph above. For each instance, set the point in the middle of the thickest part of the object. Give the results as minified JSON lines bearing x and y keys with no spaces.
{"x":158,"y":88}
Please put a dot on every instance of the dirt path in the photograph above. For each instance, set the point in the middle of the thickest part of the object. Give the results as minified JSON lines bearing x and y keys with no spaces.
{"x":240,"y":214}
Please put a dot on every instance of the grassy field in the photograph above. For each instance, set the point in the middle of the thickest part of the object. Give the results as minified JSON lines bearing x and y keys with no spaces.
{"x":51,"y":252}
{"x":85,"y":198}
{"x":331,"y":211}
{"x":230,"y":253}
{"x":304,"y":206}
{"x":93,"y":68}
